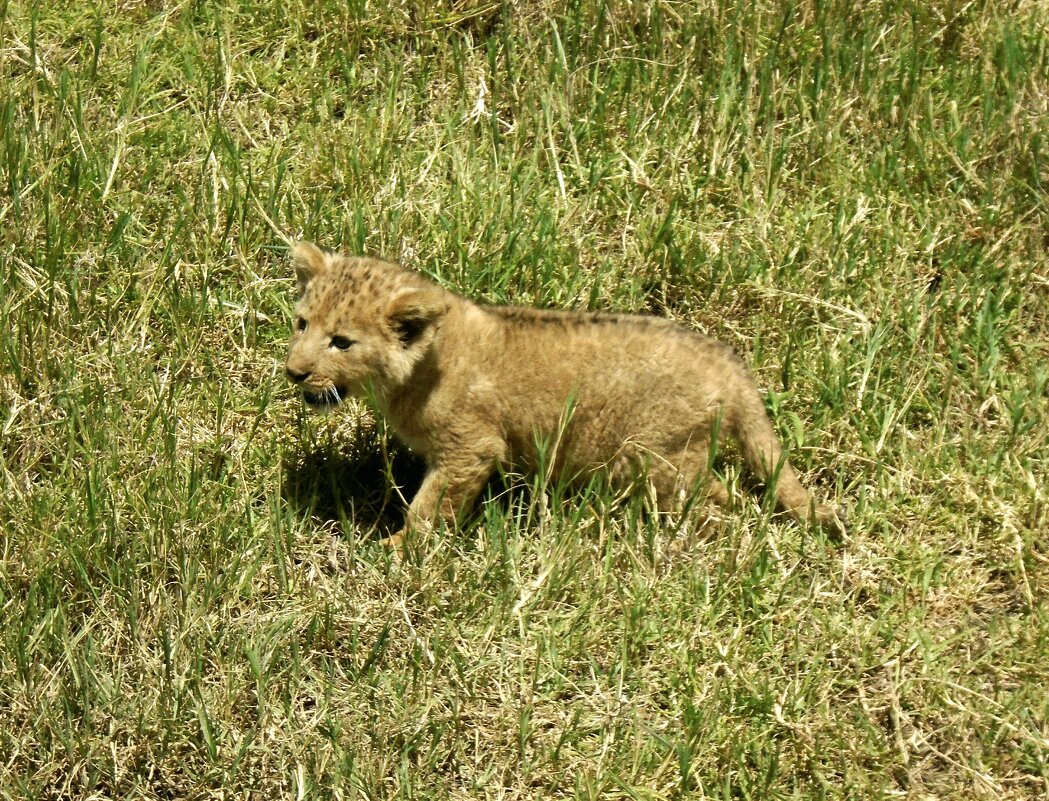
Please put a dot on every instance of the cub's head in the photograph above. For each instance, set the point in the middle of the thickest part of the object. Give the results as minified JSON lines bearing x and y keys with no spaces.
{"x":360,"y":323}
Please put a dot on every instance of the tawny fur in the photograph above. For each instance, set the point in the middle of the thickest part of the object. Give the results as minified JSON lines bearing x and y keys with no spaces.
{"x":471,"y":388}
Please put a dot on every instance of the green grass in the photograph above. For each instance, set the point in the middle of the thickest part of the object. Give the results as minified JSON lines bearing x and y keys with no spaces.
{"x":192,"y":603}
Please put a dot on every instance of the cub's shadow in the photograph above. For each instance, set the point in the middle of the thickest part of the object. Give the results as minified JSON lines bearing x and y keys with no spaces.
{"x":364,"y":479}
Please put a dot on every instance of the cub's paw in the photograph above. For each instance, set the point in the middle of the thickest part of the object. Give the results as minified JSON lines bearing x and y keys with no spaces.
{"x":394,"y":544}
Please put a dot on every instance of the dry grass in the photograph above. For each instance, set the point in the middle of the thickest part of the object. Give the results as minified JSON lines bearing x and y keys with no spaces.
{"x":191,"y":601}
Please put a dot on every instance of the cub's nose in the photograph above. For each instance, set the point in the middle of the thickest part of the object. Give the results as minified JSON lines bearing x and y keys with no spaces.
{"x":296,"y":377}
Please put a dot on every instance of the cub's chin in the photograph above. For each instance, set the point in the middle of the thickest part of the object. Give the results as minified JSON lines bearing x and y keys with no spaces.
{"x":323,"y":401}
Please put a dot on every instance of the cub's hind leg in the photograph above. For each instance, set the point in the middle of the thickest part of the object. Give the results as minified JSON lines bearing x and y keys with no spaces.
{"x":685,"y":479}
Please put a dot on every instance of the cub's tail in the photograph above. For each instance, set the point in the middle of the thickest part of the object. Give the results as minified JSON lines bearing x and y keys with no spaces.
{"x":762,"y":450}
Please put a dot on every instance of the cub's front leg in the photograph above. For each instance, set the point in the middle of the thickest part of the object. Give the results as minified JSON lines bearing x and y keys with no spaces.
{"x":449,"y":489}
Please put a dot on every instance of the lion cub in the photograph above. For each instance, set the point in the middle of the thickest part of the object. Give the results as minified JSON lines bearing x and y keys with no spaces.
{"x":472,"y":387}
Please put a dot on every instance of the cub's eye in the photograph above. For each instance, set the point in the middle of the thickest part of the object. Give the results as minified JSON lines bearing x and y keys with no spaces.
{"x":300,"y":323}
{"x":342,"y":343}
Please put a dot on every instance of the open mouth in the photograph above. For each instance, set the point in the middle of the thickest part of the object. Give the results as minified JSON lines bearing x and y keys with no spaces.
{"x":328,"y":399}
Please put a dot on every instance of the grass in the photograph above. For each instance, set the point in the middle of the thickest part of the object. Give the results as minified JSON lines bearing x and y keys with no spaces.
{"x":192,"y":604}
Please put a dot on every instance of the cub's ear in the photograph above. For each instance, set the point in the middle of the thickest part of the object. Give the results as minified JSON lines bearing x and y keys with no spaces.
{"x":413,"y":312}
{"x":310,"y":261}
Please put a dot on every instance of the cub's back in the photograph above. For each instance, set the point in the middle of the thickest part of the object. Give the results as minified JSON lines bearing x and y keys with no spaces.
{"x":624,"y":376}
{"x":600,"y":349}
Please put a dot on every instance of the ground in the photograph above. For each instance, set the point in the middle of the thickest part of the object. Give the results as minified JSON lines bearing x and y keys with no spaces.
{"x":192,"y":604}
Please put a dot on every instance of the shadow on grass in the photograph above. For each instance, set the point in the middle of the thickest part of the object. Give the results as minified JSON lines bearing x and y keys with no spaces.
{"x":363,"y":481}
{"x":357,"y":481}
